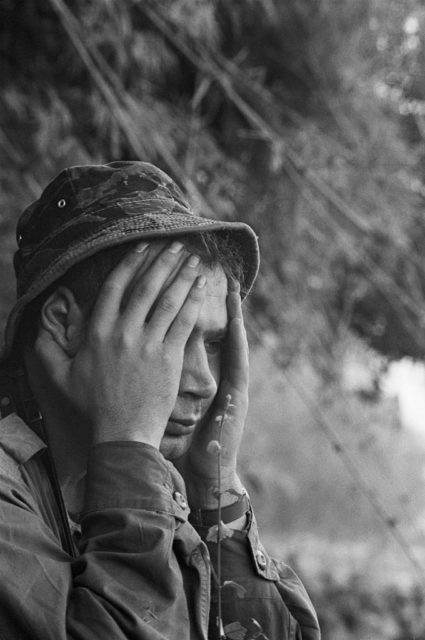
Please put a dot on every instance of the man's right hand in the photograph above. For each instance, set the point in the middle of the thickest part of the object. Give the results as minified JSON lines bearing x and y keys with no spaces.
{"x":125,"y":375}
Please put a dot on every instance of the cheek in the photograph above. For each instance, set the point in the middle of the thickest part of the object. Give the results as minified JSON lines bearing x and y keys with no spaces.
{"x":215,"y":365}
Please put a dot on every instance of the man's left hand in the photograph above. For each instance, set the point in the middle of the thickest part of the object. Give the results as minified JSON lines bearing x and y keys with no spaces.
{"x":199,"y":465}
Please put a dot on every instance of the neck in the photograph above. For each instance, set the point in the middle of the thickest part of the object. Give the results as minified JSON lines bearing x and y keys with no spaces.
{"x":68,"y":436}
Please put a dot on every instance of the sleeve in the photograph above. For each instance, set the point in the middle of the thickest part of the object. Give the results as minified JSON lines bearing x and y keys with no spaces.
{"x":261,"y":598}
{"x":128,"y":581}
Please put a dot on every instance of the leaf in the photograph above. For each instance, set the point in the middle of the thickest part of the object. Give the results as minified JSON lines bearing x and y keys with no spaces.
{"x":235,"y":631}
{"x":255,"y":630}
{"x":233,"y":492}
{"x":214,"y":447}
{"x":238,"y":589}
{"x":200,"y":92}
{"x":225,"y":532}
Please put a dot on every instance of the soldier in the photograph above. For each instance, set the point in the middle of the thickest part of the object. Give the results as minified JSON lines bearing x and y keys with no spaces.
{"x":125,"y":344}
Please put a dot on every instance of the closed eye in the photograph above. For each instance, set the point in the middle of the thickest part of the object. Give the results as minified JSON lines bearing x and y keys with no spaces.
{"x":213,"y":347}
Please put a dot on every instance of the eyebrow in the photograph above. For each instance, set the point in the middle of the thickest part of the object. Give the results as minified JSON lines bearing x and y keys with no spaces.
{"x":216,"y":334}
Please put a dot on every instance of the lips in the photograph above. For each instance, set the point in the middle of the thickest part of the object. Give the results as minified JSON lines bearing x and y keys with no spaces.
{"x":180,"y":427}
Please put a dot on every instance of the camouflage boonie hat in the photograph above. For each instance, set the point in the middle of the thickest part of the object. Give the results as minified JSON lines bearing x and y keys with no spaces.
{"x":91,"y":207}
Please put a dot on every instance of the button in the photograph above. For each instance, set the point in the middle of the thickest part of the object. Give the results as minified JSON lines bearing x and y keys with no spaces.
{"x":261,"y":559}
{"x":180,"y":499}
{"x":61,"y":203}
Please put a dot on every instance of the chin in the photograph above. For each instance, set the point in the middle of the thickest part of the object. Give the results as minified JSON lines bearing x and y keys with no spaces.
{"x":173,"y":447}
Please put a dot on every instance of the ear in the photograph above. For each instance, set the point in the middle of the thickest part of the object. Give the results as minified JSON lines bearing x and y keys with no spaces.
{"x":63,"y":320}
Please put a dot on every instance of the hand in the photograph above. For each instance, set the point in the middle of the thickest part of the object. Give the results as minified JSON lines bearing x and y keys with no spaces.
{"x":124,"y":376}
{"x":198,"y":466}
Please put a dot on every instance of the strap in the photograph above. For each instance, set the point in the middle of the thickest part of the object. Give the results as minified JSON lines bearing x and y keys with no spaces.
{"x":16,"y":396}
{"x":207,"y":518}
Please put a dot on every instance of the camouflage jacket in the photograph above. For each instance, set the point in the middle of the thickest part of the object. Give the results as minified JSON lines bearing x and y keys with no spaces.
{"x":140,"y":570}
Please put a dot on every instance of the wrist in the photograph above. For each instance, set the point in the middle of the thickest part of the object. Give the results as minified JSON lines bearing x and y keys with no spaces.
{"x":234,"y":515}
{"x":129,"y":434}
{"x":202,"y":494}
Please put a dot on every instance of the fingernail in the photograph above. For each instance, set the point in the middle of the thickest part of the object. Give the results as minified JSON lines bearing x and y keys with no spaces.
{"x":200,"y":282}
{"x":193,"y":261}
{"x":234,"y":285}
{"x":141,"y":247}
{"x":175,"y":247}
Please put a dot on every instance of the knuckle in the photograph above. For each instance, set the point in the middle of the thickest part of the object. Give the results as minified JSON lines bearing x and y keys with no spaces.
{"x":95,"y":337}
{"x":167,"y":305}
{"x":144,"y":289}
{"x":188,"y":274}
{"x":148,"y":351}
{"x":166,"y":258}
{"x":197,"y":294}
{"x":122,"y":341}
{"x":185,"y":321}
{"x":167,"y":357}
{"x":129,"y":263}
{"x":110,"y":287}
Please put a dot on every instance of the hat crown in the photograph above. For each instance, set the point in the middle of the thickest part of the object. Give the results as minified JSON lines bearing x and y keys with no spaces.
{"x":96,"y":191}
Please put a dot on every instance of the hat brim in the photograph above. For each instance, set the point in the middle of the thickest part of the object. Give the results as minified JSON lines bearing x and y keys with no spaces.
{"x":135,"y":227}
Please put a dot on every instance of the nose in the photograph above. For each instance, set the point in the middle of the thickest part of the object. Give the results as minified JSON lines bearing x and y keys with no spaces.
{"x":198,"y":379}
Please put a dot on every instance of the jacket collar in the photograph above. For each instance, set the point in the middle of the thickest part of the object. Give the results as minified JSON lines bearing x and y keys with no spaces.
{"x":18,"y":439}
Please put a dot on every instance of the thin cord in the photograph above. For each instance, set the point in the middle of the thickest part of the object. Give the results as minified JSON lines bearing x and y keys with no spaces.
{"x":297,"y":168}
{"x":128,"y":128}
{"x":98,"y":69}
{"x":338,"y":447}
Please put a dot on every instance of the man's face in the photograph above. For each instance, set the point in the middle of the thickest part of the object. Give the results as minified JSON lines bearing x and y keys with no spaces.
{"x":201,"y":367}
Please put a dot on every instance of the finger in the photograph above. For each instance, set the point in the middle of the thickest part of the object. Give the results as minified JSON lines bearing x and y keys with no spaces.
{"x":237,"y":342}
{"x":237,"y":355}
{"x":236,"y":336}
{"x":234,"y":302}
{"x":147,"y":288}
{"x":233,"y":285}
{"x":171,"y":303}
{"x":109,"y":299}
{"x":185,"y":320}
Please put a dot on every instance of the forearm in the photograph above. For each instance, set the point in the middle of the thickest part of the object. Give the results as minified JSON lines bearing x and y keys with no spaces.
{"x":131,"y":515}
{"x":127,"y":580}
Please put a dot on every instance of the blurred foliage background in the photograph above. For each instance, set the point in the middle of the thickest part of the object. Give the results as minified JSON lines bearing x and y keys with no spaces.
{"x":306,"y":119}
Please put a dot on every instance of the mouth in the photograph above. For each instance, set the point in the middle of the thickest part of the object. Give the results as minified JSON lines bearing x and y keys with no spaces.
{"x":180,"y":427}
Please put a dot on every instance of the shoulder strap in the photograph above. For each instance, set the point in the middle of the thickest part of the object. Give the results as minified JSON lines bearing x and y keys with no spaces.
{"x":16,"y":397}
